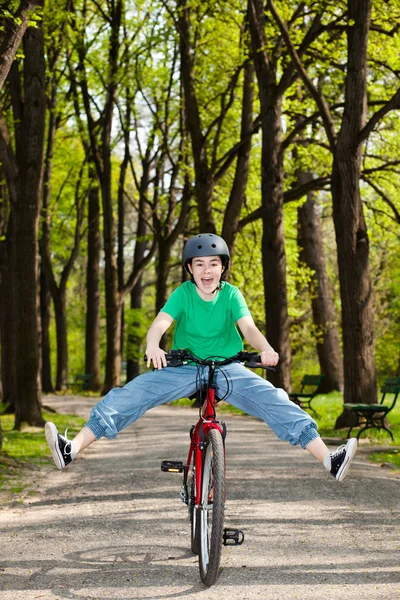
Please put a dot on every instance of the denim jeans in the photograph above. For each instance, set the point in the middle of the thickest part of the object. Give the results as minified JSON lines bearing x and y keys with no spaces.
{"x":235,"y":383}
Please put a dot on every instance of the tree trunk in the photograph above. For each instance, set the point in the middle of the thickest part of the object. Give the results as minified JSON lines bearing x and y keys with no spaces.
{"x":351,"y":232}
{"x":61,"y":335}
{"x":45,"y":304}
{"x":26,"y":230}
{"x":323,"y":309}
{"x":238,"y":191}
{"x":355,"y":285}
{"x":8,"y":316}
{"x":45,"y":296}
{"x":92,"y":339}
{"x":204,"y":183}
{"x":134,"y":340}
{"x":273,"y":240}
{"x":113,"y":296}
{"x":164,"y":257}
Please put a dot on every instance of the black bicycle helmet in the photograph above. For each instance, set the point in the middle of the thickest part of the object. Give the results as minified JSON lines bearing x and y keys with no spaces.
{"x":206,"y":244}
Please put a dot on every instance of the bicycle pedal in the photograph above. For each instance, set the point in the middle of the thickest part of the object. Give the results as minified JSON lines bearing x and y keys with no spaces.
{"x":172,"y":466}
{"x":233,"y":537}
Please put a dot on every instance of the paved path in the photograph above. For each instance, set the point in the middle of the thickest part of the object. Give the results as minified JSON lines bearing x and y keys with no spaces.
{"x":113,"y":526}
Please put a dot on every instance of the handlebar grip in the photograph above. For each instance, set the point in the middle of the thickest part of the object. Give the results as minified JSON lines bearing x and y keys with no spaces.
{"x":254,"y":364}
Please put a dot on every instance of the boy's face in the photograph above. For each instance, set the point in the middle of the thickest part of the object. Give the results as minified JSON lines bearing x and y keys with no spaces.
{"x":207,"y":271}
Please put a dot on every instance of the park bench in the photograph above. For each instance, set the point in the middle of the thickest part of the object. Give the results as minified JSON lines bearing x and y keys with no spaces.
{"x":370,"y":416}
{"x":308,"y":390}
{"x":81,"y":382}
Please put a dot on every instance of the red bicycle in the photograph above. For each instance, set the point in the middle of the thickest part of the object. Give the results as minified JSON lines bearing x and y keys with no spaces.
{"x":203,"y":487}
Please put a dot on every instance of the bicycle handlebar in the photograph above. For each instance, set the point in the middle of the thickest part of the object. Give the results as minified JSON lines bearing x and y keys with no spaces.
{"x":177,"y":358}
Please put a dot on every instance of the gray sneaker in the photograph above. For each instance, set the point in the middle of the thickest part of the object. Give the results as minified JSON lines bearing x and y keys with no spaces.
{"x":61,"y":447}
{"x":338,"y":462}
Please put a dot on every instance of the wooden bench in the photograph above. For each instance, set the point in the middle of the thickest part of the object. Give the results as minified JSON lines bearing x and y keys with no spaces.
{"x":81,"y":382}
{"x":373,"y":415}
{"x":308,"y":390}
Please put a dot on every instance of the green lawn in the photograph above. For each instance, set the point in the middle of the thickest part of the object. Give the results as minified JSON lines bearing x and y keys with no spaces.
{"x":27,"y":447}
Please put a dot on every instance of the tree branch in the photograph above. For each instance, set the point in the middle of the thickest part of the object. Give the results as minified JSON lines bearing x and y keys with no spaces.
{"x":14,"y":32}
{"x":392,"y":104}
{"x":318,"y":97}
{"x":384,"y":197}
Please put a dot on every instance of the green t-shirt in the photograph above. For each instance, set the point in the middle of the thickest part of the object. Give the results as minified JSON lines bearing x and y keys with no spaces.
{"x":207,"y":329}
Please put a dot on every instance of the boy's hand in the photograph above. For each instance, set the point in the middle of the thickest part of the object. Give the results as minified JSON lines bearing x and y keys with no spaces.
{"x":269,"y":358}
{"x":157,"y":355}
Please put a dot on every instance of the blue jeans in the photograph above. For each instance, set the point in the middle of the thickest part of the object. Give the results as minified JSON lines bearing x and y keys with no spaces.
{"x":235,"y":383}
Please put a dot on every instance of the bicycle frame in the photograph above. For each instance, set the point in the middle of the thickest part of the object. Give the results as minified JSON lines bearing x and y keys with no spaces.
{"x":206,"y":422}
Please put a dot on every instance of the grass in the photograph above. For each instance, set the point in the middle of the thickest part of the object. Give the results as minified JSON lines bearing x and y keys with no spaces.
{"x":22,"y":449}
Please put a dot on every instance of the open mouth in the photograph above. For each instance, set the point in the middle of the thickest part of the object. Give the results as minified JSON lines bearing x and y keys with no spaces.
{"x":207,"y":281}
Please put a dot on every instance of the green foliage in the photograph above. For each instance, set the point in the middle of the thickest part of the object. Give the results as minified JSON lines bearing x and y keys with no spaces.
{"x":137,"y":323}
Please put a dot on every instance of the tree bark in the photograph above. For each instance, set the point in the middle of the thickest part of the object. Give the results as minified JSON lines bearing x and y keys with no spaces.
{"x":45,"y":302}
{"x":92,"y":338}
{"x":26,"y":230}
{"x":7,"y":305}
{"x":323,"y":309}
{"x":59,"y":301}
{"x":45,"y":294}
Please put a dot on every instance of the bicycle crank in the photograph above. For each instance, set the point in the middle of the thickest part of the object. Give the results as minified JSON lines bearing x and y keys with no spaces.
{"x":233,"y":537}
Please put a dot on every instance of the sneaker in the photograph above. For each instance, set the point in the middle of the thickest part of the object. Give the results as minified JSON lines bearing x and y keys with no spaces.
{"x":61,"y":447}
{"x":338,"y":462}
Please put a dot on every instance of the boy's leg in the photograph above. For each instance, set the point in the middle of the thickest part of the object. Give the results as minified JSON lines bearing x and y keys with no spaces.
{"x":121,"y":407}
{"x":83,"y":439}
{"x":258,"y":397}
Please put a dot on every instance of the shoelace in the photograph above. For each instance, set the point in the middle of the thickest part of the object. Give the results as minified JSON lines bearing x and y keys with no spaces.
{"x":338,"y":451}
{"x":68,"y":444}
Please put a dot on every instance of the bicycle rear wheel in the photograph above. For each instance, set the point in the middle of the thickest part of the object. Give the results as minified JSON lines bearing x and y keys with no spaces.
{"x":210,"y":517}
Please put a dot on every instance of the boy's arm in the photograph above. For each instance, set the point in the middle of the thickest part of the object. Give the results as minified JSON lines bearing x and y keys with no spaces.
{"x":157,"y":329}
{"x":256,"y":339}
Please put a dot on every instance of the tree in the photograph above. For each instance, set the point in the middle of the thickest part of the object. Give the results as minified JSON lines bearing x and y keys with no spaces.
{"x":23,"y":170}
{"x":324,"y":316}
{"x":350,"y":227}
{"x":100,"y":137}
{"x":58,"y":290}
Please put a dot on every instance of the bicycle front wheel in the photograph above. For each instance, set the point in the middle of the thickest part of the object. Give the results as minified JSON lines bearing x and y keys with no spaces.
{"x":211,"y":518}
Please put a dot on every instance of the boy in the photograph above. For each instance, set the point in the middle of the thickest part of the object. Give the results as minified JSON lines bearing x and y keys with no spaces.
{"x":206,"y":309}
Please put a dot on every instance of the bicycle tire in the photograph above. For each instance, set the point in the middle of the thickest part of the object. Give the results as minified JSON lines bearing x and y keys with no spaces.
{"x":211,"y":522}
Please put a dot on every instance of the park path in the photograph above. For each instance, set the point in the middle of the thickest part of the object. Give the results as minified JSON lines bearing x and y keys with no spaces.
{"x":113,"y":526}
